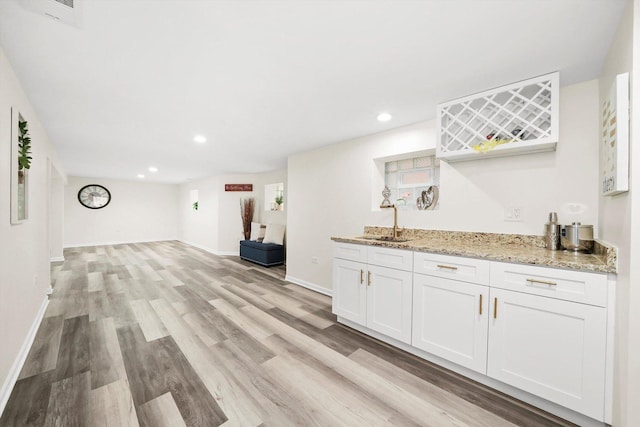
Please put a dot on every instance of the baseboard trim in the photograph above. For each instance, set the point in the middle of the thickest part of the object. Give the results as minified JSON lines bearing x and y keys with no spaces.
{"x":195,"y":245}
{"x":14,"y":372}
{"x":211,"y":251}
{"x":314,"y":287}
{"x":227,"y":253}
{"x":57,"y":259}
{"x":119,"y":242}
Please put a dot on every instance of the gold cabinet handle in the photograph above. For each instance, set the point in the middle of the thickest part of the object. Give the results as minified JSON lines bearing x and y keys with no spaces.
{"x":361,"y":276}
{"x":368,"y":278}
{"x":480,"y":309}
{"x":448,"y":267}
{"x":543,"y":282}
{"x":495,"y":308}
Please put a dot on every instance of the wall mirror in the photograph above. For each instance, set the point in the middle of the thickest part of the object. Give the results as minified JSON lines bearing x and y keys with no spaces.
{"x":274,"y":197}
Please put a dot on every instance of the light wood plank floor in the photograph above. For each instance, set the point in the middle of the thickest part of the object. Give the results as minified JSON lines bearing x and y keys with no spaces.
{"x":163,"y":334}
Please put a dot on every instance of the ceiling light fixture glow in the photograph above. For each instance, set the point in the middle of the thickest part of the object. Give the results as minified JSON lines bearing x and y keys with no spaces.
{"x":200,"y":139}
{"x":140,"y":175}
{"x":153,"y":169}
{"x":384,"y":117}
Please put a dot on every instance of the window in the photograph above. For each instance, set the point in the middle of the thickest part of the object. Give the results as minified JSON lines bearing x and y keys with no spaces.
{"x":409,"y":178}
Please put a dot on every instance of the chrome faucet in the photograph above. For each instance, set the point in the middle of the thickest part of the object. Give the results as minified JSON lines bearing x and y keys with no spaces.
{"x":396,"y":229}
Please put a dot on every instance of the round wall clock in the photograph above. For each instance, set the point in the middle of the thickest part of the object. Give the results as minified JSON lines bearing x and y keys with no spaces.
{"x":94,"y":196}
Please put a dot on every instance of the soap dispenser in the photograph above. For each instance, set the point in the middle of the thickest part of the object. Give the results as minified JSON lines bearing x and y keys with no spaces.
{"x":552,"y":232}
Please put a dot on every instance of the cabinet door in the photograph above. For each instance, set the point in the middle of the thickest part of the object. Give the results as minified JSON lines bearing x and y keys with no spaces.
{"x":450,"y":320}
{"x":389,"y":302}
{"x":350,"y":290}
{"x":552,"y":348}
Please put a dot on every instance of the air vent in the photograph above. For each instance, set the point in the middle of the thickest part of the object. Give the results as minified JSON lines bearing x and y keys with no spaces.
{"x":67,"y":11}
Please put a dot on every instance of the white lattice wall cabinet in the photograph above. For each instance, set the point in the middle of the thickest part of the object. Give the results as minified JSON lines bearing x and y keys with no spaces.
{"x":514,"y":119}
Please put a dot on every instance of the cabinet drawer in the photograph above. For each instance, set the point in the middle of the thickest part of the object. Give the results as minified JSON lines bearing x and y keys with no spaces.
{"x":452,"y":267}
{"x":578,"y":286}
{"x":350,"y":251}
{"x":393,"y":258}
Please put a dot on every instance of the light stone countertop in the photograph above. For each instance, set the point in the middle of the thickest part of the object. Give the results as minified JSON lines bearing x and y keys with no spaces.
{"x":519,"y":249}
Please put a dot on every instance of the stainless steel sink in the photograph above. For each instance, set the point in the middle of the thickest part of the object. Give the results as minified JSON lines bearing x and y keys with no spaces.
{"x":385,"y":239}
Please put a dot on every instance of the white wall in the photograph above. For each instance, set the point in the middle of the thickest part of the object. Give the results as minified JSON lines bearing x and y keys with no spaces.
{"x":199,"y":228}
{"x":633,"y":334}
{"x":24,"y":248}
{"x":617,"y":226}
{"x":216,"y":226}
{"x":138,"y":212}
{"x":333,"y":190}
{"x":56,"y":214}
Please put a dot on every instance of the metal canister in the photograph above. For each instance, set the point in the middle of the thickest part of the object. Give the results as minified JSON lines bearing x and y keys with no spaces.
{"x":552,"y":232}
{"x":577,"y":237}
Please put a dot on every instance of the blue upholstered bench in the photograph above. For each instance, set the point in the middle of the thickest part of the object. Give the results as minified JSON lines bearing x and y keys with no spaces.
{"x":266,"y":254}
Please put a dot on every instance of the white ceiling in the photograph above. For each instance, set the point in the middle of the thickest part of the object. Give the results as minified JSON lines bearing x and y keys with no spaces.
{"x":134,"y":83}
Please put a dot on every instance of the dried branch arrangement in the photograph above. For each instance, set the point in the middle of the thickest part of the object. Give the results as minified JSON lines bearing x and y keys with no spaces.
{"x":247,"y":207}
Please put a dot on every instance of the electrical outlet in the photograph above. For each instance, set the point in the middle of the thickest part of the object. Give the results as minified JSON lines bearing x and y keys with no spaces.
{"x":513,"y":214}
{"x":314,"y":260}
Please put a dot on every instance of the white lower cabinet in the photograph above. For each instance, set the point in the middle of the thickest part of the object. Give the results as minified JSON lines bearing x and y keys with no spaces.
{"x":538,"y":329}
{"x":450,"y":320}
{"x":374,"y":296}
{"x":551,"y":348}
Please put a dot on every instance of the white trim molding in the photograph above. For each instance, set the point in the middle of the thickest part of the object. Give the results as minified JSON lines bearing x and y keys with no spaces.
{"x":211,"y":251}
{"x":14,"y":372}
{"x":57,"y":259}
{"x":84,"y":245}
{"x":313,"y":286}
{"x":227,"y":253}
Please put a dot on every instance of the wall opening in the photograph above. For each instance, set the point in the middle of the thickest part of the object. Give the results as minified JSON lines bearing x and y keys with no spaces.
{"x":193,"y":200}
{"x":274,"y":197}
{"x":413,"y":180}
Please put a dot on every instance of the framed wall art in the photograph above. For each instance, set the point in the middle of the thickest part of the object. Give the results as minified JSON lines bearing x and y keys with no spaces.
{"x":614,"y":142}
{"x":20,"y":165}
{"x":238,"y":187}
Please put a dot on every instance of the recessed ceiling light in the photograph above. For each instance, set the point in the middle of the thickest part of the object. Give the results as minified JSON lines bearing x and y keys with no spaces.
{"x":384,"y":117}
{"x":140,"y":175}
{"x":200,"y":139}
{"x":153,"y":169}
